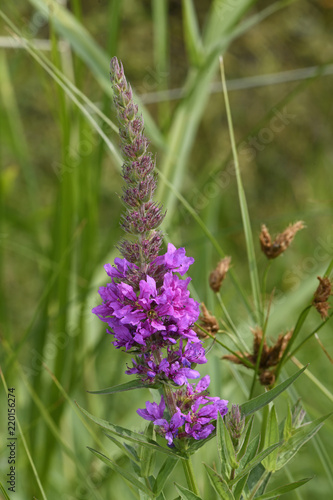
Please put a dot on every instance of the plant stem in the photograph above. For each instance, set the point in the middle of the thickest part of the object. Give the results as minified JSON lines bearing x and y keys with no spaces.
{"x":310,"y":336}
{"x":300,"y":322}
{"x":229,"y":320}
{"x":244,"y":360}
{"x":190,"y":476}
{"x":263,"y":291}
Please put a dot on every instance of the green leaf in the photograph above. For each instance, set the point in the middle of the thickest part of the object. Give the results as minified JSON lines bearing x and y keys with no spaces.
{"x":127,"y":475}
{"x":226,"y":442}
{"x":240,"y":487}
{"x":272,"y":436}
{"x":299,"y":437}
{"x":248,"y":454}
{"x":219,"y":484}
{"x":256,"y":460}
{"x":164,"y":473}
{"x":147,"y":455}
{"x":283,"y":489}
{"x":256,"y":403}
{"x":186,"y":494}
{"x":246,"y":440}
{"x":128,"y":386}
{"x":130,"y":453}
{"x":123,"y":433}
{"x":255,"y":476}
{"x":222,"y":449}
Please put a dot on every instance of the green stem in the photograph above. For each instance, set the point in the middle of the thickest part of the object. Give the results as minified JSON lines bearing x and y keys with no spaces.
{"x":190,"y":476}
{"x":264,"y":285}
{"x":300,"y":322}
{"x":256,"y":369}
{"x":244,"y":360}
{"x":309,"y":336}
{"x":229,"y":321}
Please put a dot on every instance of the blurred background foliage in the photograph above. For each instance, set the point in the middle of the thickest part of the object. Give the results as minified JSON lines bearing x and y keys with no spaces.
{"x":60,"y":209}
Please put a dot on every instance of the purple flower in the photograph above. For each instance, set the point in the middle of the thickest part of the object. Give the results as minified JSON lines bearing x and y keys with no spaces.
{"x":166,"y":311}
{"x":175,"y":260}
{"x":170,"y":430}
{"x":169,"y":368}
{"x":153,"y":411}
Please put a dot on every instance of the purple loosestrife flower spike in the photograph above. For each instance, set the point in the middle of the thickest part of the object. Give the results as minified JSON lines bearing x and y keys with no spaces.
{"x":146,"y":303}
{"x":143,"y":215}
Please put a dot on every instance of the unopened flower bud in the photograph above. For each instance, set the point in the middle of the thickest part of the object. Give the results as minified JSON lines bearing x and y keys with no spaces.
{"x":235,"y":422}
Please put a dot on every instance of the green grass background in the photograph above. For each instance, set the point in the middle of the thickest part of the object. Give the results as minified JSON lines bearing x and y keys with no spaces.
{"x":60,"y":208}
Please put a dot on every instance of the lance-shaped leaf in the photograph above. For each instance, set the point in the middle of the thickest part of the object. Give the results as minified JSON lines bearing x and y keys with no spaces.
{"x":164,"y":473}
{"x":127,"y":475}
{"x":246,"y":439}
{"x":283,"y":489}
{"x":300,"y":436}
{"x":128,"y":451}
{"x":226,"y":448}
{"x":134,"y":437}
{"x":147,"y":455}
{"x":255,"y":476}
{"x":256,"y":403}
{"x":219,"y":485}
{"x":249,"y":454}
{"x":272,"y":436}
{"x":256,"y":460}
{"x":186,"y":494}
{"x":128,"y":386}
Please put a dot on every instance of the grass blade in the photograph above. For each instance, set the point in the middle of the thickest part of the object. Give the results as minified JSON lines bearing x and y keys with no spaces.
{"x":192,"y":33}
{"x":88,"y":50}
{"x":254,"y":276}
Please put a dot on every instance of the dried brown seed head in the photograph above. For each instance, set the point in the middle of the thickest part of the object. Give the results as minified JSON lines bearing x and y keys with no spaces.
{"x":217,"y":276}
{"x":270,"y":356}
{"x":321,"y":296}
{"x":281,"y":242}
{"x":208,"y":322}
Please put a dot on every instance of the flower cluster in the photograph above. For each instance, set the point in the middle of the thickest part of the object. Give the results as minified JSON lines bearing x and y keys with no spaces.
{"x":154,"y":316}
{"x":195,"y":411}
{"x":147,"y":304}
